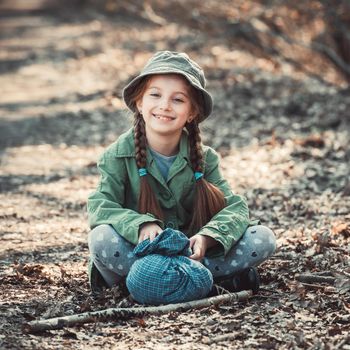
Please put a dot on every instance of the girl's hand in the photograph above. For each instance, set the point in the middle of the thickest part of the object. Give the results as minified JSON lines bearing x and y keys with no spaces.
{"x":149,"y":230}
{"x":199,"y":245}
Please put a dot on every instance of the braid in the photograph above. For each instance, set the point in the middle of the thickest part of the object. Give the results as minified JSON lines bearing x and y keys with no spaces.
{"x":196,"y":152}
{"x":208,"y":199}
{"x":148,"y":202}
{"x":140,"y":141}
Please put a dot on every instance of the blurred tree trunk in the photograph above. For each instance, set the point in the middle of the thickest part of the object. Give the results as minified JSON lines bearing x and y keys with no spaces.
{"x":337,"y":20}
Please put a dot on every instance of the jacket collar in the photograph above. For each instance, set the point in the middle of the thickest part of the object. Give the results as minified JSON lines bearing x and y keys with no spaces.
{"x":126,"y":148}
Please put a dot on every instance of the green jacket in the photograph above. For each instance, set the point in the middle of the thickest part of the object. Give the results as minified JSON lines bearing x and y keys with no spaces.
{"x":115,"y":200}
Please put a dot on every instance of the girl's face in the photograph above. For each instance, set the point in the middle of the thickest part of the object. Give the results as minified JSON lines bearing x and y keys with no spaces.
{"x":165,"y":105}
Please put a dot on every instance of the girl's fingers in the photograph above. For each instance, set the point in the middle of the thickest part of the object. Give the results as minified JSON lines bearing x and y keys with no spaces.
{"x":143,"y":237}
{"x":194,"y":256}
{"x":149,"y":230}
{"x":197,"y":252}
{"x":194,"y":248}
{"x":152,"y":236}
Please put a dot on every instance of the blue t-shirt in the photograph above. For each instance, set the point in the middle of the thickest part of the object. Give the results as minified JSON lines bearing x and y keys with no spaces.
{"x":163,"y":162}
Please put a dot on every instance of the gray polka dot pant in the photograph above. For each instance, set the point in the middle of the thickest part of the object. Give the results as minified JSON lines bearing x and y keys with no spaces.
{"x":113,"y":255}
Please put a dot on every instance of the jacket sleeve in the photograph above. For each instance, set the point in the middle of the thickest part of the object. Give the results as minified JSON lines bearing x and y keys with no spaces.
{"x":229,"y":224}
{"x":106,"y":204}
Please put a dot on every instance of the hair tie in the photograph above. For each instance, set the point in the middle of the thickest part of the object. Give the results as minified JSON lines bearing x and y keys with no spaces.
{"x":142,"y":172}
{"x":198,"y":175}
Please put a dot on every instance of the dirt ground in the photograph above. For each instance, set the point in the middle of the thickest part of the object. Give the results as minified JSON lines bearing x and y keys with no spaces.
{"x":282,"y":131}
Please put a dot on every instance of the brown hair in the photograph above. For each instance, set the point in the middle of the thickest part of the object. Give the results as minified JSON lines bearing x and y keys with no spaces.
{"x":208,"y":199}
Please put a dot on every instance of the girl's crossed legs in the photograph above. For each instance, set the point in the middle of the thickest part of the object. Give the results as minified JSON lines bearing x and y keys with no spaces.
{"x":113,"y":255}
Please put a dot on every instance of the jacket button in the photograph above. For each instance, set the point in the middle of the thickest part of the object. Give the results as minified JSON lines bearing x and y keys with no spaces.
{"x":224,"y":228}
{"x":170,"y":224}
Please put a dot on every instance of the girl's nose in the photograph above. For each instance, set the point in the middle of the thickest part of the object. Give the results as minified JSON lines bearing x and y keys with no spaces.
{"x":165,"y":104}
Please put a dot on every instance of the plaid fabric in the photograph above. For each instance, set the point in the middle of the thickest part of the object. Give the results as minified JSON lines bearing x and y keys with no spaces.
{"x":164,"y":274}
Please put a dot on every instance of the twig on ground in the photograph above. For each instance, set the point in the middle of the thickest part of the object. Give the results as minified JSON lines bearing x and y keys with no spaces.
{"x":152,"y":16}
{"x":310,"y":278}
{"x":319,"y":286}
{"x":224,"y":337}
{"x":324,"y":273}
{"x":343,"y":342}
{"x":118,"y":313}
{"x":283,"y":256}
{"x":269,"y":290}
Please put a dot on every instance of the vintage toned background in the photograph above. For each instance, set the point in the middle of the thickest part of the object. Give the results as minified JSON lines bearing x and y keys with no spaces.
{"x":279,"y":72}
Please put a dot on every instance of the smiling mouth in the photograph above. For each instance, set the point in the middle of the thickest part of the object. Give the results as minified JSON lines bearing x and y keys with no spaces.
{"x":163,"y":117}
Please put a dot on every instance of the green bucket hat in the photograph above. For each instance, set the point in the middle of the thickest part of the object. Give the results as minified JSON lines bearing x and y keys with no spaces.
{"x":169,"y":62}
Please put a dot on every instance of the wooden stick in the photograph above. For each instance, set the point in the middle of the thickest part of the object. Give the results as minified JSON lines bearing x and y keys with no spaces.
{"x":310,"y":278}
{"x":224,"y":337}
{"x":118,"y":313}
{"x":315,"y":286}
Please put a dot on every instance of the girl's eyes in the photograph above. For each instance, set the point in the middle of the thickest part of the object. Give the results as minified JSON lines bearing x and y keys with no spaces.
{"x":176,"y":99}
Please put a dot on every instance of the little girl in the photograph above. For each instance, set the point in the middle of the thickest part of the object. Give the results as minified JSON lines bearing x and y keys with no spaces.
{"x":158,"y":175}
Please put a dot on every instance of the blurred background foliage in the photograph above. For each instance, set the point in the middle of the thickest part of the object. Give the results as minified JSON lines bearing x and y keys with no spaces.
{"x":305,"y":33}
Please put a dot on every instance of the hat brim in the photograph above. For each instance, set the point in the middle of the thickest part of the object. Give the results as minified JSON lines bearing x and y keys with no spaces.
{"x":207,"y":102}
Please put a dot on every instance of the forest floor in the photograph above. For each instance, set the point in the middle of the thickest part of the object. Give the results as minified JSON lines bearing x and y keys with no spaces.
{"x":284,"y":139}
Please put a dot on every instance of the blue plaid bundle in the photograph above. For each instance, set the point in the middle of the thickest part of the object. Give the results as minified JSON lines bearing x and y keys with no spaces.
{"x":164,"y":274}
